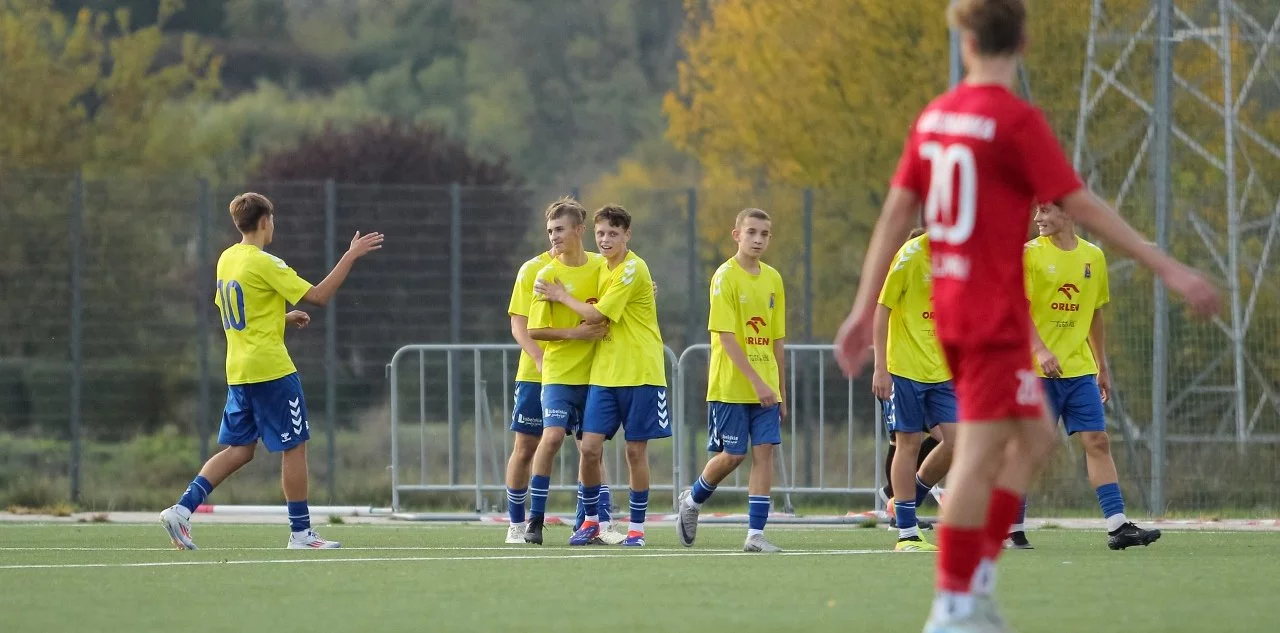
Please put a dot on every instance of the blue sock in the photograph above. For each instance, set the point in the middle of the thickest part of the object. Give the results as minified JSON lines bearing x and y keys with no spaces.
{"x":580,"y":513}
{"x":905,"y":511}
{"x":196,"y":493}
{"x":299,"y":515}
{"x":702,"y":490}
{"x":606,"y":503}
{"x":591,"y":501}
{"x":922,"y":491}
{"x":1110,"y":499}
{"x":1022,"y":514}
{"x":757,"y":511}
{"x":515,"y":504}
{"x":639,"y":505}
{"x":538,"y":487}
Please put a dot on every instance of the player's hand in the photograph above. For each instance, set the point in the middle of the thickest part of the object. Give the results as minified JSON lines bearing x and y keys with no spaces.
{"x":768,"y":397}
{"x":362,"y":245}
{"x":1196,"y":289}
{"x":853,"y":342}
{"x":552,"y":291}
{"x":591,"y":331}
{"x":1048,"y":363}
{"x":298,"y":319}
{"x":1104,"y":383}
{"x":881,"y":384}
{"x":537,"y":360}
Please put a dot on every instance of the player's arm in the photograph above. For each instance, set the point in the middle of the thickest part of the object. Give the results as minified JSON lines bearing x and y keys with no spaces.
{"x":737,"y":356}
{"x":583,"y":332}
{"x":1098,"y":342}
{"x":1045,"y":357}
{"x":520,"y":332}
{"x":881,"y":382}
{"x":558,"y":293}
{"x":891,"y":230}
{"x":361,"y":245}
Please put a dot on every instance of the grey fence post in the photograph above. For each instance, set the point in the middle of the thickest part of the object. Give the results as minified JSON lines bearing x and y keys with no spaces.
{"x":76,"y":250}
{"x":331,"y":337}
{"x":455,"y":320}
{"x":203,"y":292}
{"x":808,"y":265}
{"x":1160,"y":164}
{"x":691,"y":313}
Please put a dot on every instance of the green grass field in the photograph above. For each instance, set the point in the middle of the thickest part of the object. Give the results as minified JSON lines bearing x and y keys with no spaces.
{"x":426,"y":578}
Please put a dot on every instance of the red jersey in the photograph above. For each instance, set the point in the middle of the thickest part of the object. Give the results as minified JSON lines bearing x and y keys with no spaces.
{"x":980,"y":157}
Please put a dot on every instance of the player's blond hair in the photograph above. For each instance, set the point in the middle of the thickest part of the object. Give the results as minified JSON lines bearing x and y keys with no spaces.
{"x":998,"y":25}
{"x":758,"y":214}
{"x":567,"y":207}
{"x":248,"y":209}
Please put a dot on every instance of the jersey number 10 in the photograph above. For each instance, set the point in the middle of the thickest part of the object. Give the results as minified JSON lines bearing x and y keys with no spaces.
{"x":960,"y":215}
{"x":232,"y":318}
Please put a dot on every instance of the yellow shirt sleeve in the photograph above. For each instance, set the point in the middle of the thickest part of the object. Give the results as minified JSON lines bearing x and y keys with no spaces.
{"x":1104,"y":293}
{"x":723,"y":315}
{"x":539,"y":307}
{"x":780,"y":307}
{"x":895,"y":282}
{"x":281,"y":278}
{"x":522,"y":292}
{"x":622,"y":288}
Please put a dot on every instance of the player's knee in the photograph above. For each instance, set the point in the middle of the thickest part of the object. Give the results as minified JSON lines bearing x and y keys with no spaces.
{"x":243,"y":454}
{"x":592,"y":451}
{"x":1096,"y":443}
{"x":637,"y":452}
{"x":733,"y":460}
{"x":523,"y":450}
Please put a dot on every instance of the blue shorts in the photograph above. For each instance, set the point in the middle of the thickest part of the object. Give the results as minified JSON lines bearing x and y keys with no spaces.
{"x":730,"y":425}
{"x":917,"y":407}
{"x":274,"y":411}
{"x":1077,"y":401}
{"x":526,"y":416}
{"x":641,"y":411}
{"x":562,"y":407}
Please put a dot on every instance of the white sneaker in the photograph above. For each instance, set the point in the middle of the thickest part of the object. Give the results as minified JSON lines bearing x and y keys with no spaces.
{"x":687,"y":519}
{"x":757,"y":543}
{"x":974,"y":623}
{"x":611,"y":536}
{"x":310,"y":540}
{"x":178,"y":524}
{"x":515,"y":534}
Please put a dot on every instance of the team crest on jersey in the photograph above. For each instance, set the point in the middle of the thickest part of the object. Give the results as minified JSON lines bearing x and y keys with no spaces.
{"x":1088,"y":270}
{"x":770,"y":300}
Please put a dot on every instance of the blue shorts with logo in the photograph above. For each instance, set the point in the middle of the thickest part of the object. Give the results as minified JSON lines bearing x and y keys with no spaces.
{"x":1078,"y":401}
{"x":273,"y":411}
{"x":641,"y":411}
{"x":732,"y":426}
{"x":917,"y":407}
{"x":562,"y":406}
{"x":526,"y":415}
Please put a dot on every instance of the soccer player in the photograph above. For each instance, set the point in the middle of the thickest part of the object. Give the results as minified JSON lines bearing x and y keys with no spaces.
{"x":264,"y":394}
{"x":628,"y":385}
{"x":571,"y":345}
{"x":748,"y":323}
{"x":911,"y":374}
{"x":1067,"y":287}
{"x":977,"y":157}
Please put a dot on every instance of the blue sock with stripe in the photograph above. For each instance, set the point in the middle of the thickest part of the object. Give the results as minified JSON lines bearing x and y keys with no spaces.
{"x":197,"y":491}
{"x":757,"y":513}
{"x":579,"y":513}
{"x":702,"y":491}
{"x":299,"y":515}
{"x":1022,"y":518}
{"x":606,"y":504}
{"x":591,"y":502}
{"x":1111,"y":501}
{"x":905,"y":512}
{"x":639,"y":508}
{"x":922,"y":491}
{"x":538,"y":487}
{"x":515,"y":504}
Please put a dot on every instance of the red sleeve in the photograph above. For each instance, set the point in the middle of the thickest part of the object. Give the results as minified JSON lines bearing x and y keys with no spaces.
{"x":1050,"y":174}
{"x":910,"y":173}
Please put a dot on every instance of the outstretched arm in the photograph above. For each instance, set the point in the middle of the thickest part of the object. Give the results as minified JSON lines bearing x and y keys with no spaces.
{"x":321,"y":293}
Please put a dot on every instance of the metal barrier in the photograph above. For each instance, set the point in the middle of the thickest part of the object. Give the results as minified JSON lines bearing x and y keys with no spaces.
{"x":806,"y":420}
{"x":489,"y":363}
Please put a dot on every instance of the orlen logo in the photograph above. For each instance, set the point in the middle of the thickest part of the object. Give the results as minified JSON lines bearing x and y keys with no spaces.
{"x":754,"y":323}
{"x":593,"y":300}
{"x":1068,"y":291}
{"x":928,"y":316}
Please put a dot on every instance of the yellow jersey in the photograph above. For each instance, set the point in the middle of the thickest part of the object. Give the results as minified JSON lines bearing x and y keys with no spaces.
{"x":631,"y":354}
{"x":253,"y":288}
{"x":567,"y":362}
{"x":754,"y":309}
{"x":913,"y":350}
{"x":1064,"y":289}
{"x":521,"y":300}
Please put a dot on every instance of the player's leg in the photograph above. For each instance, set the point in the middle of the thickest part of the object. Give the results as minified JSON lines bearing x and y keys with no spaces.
{"x":590,"y":474}
{"x":1054,"y":398}
{"x":909,"y":426}
{"x":936,"y":449}
{"x":886,"y":491}
{"x":647,"y":419}
{"x":1084,"y":417}
{"x":526,"y":425}
{"x":766,"y":433}
{"x":728,"y":428}
{"x":561,"y":415}
{"x":239,"y":433}
{"x":280,"y":410}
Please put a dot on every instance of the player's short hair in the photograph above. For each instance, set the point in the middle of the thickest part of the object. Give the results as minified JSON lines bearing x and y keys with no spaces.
{"x":567,"y":207}
{"x":247,"y":209}
{"x":615,"y":215}
{"x":916,"y":232}
{"x":997,"y":24}
{"x":758,"y":214}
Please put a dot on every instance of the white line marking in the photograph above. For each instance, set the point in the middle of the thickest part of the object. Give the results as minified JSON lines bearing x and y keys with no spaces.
{"x":406,"y":559}
{"x":509,"y":548}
